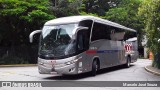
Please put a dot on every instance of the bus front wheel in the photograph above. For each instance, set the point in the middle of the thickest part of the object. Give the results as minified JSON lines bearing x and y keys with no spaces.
{"x":94,"y":68}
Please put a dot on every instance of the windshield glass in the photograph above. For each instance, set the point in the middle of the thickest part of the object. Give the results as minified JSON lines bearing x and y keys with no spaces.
{"x":56,"y":41}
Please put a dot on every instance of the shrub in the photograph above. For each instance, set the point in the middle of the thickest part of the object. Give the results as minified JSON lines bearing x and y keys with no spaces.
{"x":12,"y":60}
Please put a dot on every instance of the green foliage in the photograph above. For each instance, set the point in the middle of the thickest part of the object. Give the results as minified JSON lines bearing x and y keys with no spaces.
{"x":22,"y":16}
{"x":62,"y":8}
{"x":98,"y":7}
{"x":12,"y":60}
{"x":17,"y":19}
{"x":126,"y":14}
{"x":117,"y":15}
{"x":150,"y":11}
{"x":84,"y":13}
{"x":155,"y":64}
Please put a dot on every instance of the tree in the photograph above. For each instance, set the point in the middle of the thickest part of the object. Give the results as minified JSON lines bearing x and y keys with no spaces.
{"x":98,"y":7}
{"x":126,"y":14}
{"x":62,"y":8}
{"x":150,"y":11}
{"x":20,"y":17}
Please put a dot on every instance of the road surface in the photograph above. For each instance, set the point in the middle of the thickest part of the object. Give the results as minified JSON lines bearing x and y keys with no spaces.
{"x":135,"y":73}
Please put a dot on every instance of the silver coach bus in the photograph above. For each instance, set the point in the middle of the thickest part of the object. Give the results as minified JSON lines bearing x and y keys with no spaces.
{"x":78,"y":44}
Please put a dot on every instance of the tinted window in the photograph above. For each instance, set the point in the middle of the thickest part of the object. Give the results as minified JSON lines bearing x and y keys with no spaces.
{"x":119,"y":34}
{"x":87,"y":23}
{"x":82,"y":41}
{"x":130,"y":34}
{"x":100,"y":31}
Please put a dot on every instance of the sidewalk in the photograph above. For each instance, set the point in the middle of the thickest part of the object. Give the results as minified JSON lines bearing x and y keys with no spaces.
{"x":19,"y":65}
{"x":153,"y":70}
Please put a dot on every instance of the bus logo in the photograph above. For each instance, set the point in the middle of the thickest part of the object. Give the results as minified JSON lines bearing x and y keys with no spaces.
{"x":128,"y":47}
{"x":53,"y":62}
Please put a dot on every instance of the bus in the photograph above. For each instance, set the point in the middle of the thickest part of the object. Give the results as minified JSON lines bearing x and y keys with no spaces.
{"x":79,"y":44}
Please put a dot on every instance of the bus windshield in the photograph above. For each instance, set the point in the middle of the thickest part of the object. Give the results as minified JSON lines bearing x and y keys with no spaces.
{"x":56,"y":41}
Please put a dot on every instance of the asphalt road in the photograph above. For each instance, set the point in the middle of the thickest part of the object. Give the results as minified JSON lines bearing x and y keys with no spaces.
{"x":135,"y":73}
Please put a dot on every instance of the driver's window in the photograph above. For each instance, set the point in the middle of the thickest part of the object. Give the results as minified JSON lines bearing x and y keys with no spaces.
{"x":82,"y":40}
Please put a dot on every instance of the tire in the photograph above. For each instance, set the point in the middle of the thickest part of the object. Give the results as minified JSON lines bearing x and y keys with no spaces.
{"x":128,"y":64}
{"x":94,"y":68}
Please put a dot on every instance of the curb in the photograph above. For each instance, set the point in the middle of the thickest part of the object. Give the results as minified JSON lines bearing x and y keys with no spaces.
{"x":151,"y":71}
{"x":19,"y":65}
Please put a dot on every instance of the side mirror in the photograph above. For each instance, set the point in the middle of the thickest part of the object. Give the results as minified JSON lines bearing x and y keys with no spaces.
{"x":32,"y":34}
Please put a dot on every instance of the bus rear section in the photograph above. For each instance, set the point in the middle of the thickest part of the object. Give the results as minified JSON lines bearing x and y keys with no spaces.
{"x":112,"y":45}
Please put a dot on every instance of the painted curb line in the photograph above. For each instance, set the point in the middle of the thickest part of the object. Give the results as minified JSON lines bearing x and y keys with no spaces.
{"x":19,"y":65}
{"x":151,"y":71}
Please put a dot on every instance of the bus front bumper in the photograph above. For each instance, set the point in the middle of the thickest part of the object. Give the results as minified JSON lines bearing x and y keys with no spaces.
{"x":66,"y":69}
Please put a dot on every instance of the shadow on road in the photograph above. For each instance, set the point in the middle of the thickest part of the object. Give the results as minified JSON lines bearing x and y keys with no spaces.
{"x":85,"y":75}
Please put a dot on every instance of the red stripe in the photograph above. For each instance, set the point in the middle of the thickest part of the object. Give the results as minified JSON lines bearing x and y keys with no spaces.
{"x":91,"y":52}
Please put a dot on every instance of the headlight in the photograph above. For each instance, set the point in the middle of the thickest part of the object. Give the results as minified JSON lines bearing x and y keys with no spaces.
{"x":71,"y":62}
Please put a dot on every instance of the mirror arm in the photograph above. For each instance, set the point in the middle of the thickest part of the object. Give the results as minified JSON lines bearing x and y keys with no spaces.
{"x":80,"y":28}
{"x":32,"y":34}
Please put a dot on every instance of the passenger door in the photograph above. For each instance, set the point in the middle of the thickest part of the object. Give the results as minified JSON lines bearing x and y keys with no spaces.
{"x":82,"y":46}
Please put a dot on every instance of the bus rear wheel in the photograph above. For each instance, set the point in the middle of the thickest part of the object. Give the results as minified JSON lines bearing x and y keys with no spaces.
{"x":128,"y":63}
{"x":94,"y":68}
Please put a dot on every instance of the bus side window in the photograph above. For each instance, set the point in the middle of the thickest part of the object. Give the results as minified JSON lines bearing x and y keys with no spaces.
{"x":82,"y":40}
{"x":87,"y":23}
{"x":100,"y":31}
{"x":117,"y":34}
{"x":130,"y":35}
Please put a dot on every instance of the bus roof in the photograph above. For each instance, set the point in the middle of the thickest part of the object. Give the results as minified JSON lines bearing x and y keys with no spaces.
{"x":76,"y":19}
